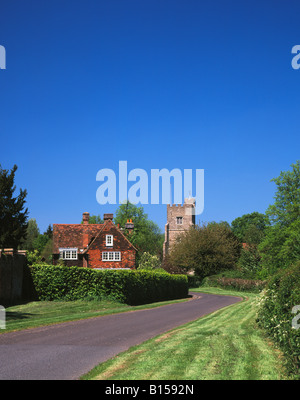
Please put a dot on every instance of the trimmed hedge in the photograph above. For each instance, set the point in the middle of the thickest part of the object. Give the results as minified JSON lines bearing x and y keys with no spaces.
{"x":275,"y":314}
{"x":127,"y":286}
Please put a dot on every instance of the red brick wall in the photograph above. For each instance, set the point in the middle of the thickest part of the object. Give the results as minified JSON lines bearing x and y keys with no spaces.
{"x":127,"y":259}
{"x":119,"y":244}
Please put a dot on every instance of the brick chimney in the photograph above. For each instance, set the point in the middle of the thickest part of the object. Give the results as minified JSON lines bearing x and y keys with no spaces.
{"x":108,"y":216}
{"x":85,"y":218}
{"x":129,"y":226}
{"x":85,"y":233}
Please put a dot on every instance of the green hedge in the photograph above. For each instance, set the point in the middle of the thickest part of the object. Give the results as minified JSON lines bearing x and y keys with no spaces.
{"x":241,"y":284}
{"x":275,"y":314}
{"x":127,"y":286}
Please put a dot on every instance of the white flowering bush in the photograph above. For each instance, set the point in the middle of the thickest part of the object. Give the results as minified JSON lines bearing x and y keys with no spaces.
{"x":275,"y":314}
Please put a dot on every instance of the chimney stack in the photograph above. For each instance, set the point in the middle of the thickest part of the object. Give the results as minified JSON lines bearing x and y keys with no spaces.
{"x":129,"y":225}
{"x":108,"y":216}
{"x":85,"y":218}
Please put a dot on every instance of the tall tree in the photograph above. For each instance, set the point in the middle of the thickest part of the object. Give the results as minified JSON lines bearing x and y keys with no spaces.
{"x":49,"y":232}
{"x":250,"y":227}
{"x":206,"y":249}
{"x":13,"y":214}
{"x":146,"y":235}
{"x":286,"y":208}
{"x":32,"y":233}
{"x":281,"y":245}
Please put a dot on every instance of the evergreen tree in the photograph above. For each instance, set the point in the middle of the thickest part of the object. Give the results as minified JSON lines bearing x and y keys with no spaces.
{"x":13,"y":216}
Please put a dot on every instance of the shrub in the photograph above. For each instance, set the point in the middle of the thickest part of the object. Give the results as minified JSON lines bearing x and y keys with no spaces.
{"x":149,"y":261}
{"x":249,"y":262}
{"x":193,"y":281}
{"x":232,"y":280}
{"x":275,"y":314}
{"x":206,"y":249}
{"x":127,"y":286}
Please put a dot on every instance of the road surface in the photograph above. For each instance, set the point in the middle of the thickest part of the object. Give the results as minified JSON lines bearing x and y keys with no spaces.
{"x":68,"y":350}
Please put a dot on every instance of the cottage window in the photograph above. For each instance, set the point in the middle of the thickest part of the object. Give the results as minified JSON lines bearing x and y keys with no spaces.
{"x":109,"y":240}
{"x":111,"y":256}
{"x":68,"y":254}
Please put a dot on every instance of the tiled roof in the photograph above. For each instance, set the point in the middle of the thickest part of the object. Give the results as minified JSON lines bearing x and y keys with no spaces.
{"x":72,"y":235}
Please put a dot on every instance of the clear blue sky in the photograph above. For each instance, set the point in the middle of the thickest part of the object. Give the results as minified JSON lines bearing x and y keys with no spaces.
{"x":158,"y":83}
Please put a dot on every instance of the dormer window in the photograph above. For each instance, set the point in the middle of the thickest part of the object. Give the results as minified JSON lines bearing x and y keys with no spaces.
{"x":109,"y":240}
{"x":68,"y":254}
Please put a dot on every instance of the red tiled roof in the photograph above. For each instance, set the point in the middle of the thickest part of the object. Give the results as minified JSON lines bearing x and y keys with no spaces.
{"x":72,"y":235}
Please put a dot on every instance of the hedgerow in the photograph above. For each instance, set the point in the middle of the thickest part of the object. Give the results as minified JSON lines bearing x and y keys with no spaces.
{"x":275,"y":315}
{"x":127,"y":286}
{"x":235,"y":283}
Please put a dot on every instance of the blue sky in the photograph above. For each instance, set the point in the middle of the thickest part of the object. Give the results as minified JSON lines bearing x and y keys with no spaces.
{"x":161,"y":84}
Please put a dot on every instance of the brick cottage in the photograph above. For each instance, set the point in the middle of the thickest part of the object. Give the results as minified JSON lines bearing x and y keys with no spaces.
{"x":93,"y":245}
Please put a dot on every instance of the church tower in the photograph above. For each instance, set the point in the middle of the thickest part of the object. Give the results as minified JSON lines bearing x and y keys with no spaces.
{"x":179,"y":219}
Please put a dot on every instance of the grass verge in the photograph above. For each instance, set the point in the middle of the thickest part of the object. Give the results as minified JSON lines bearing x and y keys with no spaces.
{"x":224,"y":345}
{"x":41,"y":313}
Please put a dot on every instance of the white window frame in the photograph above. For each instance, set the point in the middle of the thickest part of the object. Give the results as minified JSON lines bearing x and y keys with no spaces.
{"x":68,"y":253}
{"x":111,"y":256}
{"x":109,"y":240}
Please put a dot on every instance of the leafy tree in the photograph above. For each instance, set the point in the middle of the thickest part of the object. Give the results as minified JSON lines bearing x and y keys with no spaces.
{"x":286,"y":208}
{"x":249,"y":262}
{"x":13,"y":215}
{"x":206,"y":249}
{"x":250,"y":227}
{"x":95,"y":219}
{"x":146,"y":235}
{"x":281,"y":245}
{"x":32,"y":234}
{"x":40,"y":242}
{"x":46,"y":253}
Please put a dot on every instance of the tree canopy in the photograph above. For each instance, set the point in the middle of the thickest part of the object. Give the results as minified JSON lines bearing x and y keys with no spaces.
{"x":206,"y":249}
{"x":286,"y":208}
{"x":281,"y":245}
{"x":250,"y":228}
{"x":94,"y":219}
{"x":146,"y":235}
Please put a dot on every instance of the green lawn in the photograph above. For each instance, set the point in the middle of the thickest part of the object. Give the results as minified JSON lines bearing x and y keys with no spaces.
{"x":40,"y":313}
{"x":221,"y":346}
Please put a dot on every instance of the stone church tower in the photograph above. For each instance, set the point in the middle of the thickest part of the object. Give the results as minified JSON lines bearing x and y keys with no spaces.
{"x":179,"y":219}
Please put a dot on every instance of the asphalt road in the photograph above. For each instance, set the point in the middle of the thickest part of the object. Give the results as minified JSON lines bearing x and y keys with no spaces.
{"x":68,"y":350}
